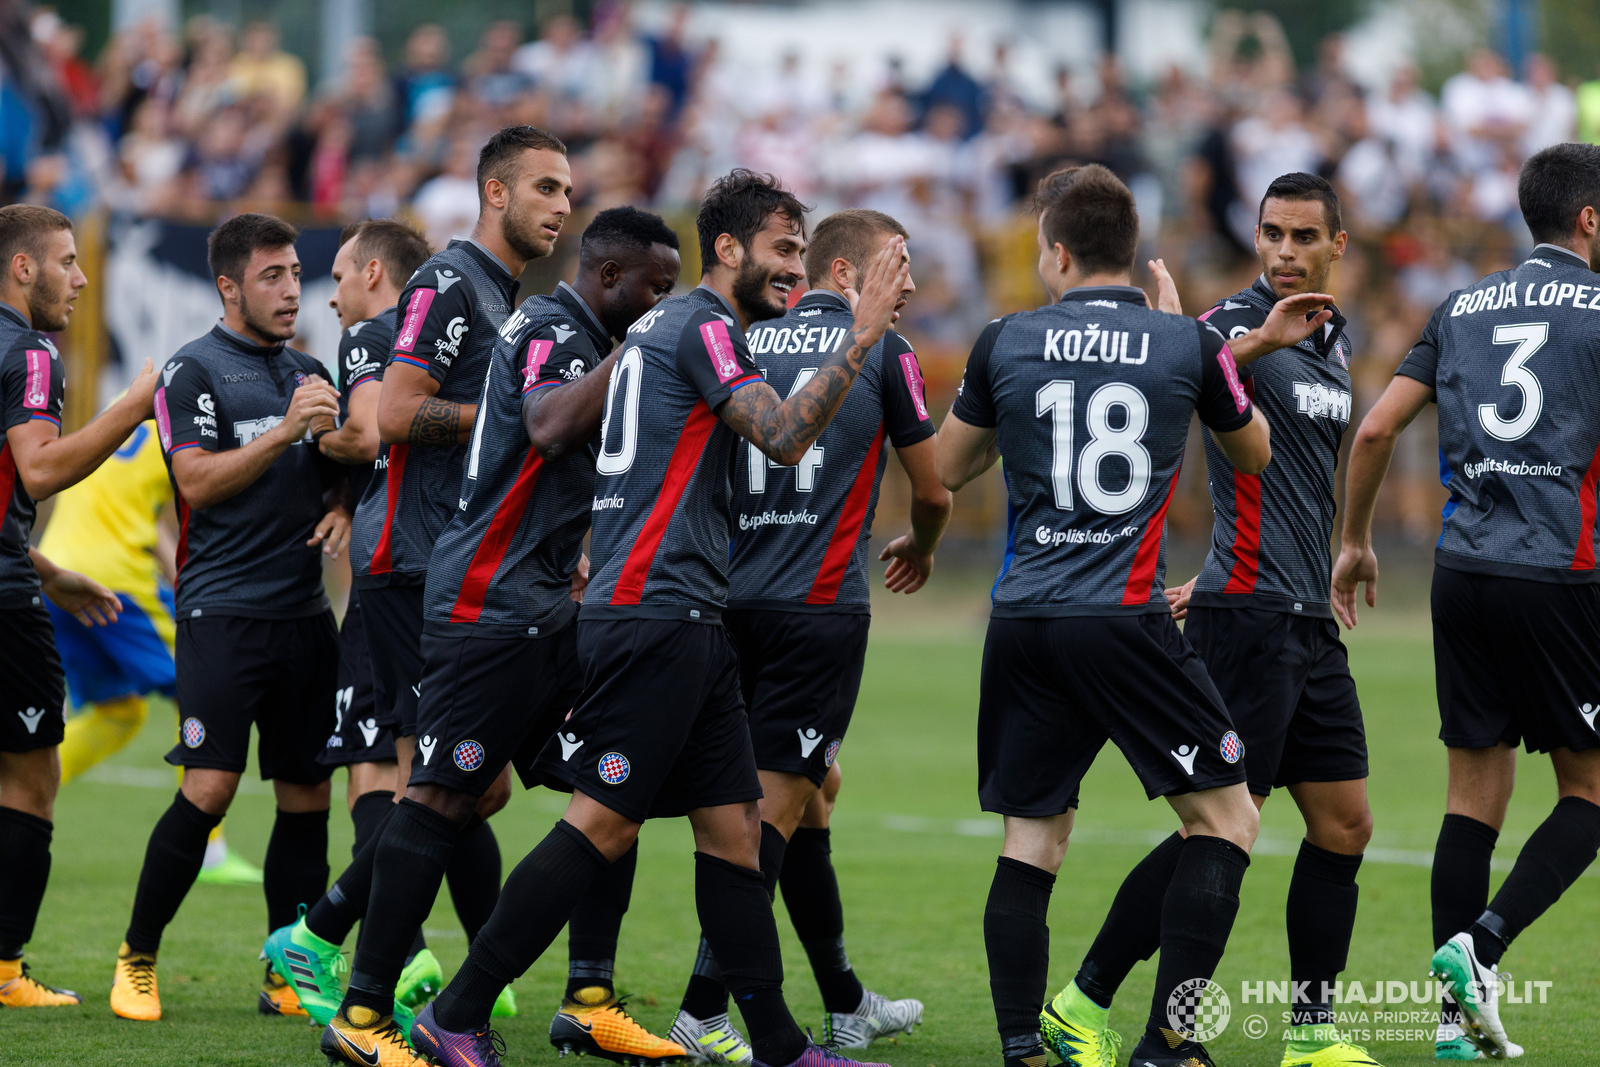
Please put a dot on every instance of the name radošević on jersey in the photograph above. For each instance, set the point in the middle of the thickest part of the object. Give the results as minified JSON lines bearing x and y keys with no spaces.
{"x":1513,"y":362}
{"x":1270,"y":537}
{"x":800,"y":533}
{"x":33,"y":386}
{"x":1092,"y":397}
{"x":246,"y":555}
{"x":660,"y":534}
{"x":445,"y":323}
{"x":363,"y":350}
{"x":504,"y":564}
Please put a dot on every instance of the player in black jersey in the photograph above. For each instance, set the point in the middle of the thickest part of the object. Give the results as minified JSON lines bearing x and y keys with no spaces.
{"x":798,"y":596}
{"x":1259,"y":618}
{"x":1089,"y":399}
{"x":1511,"y":362}
{"x":39,"y":282}
{"x":660,"y":728}
{"x":256,"y":636}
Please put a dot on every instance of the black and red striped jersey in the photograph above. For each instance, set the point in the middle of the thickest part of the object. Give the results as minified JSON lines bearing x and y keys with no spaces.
{"x":1513,"y":362}
{"x":800,"y":533}
{"x":504,"y":564}
{"x":1092,"y":397}
{"x":446,"y":323}
{"x":1271,"y":532}
{"x":32,"y":386}
{"x":363,"y":348}
{"x":662,"y":496}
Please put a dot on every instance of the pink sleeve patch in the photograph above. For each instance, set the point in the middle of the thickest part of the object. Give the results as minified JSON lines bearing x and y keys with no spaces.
{"x":538,"y":352}
{"x":913,"y":373}
{"x":1225,"y":360}
{"x":163,"y":420}
{"x":719,"y":346}
{"x":36,"y":390}
{"x":1210,"y":313}
{"x":416,"y":311}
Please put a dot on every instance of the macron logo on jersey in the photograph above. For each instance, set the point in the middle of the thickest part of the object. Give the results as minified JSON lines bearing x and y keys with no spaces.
{"x":416,"y":311}
{"x":719,"y":346}
{"x":446,"y":278}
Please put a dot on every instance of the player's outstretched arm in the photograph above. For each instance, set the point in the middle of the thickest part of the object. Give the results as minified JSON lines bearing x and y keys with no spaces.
{"x":1249,"y":448}
{"x":1286,"y":325}
{"x":206,"y":478}
{"x":356,"y":442}
{"x":563,"y":418}
{"x":784,"y":429}
{"x":1370,"y":454}
{"x":48,"y":462}
{"x":910,"y":555}
{"x":409,"y":412}
{"x":81,"y":597}
{"x":964,"y":451}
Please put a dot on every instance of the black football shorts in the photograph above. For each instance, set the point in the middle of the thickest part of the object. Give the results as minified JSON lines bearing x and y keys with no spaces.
{"x":1054,"y":690}
{"x":1516,"y":660}
{"x":33,"y":710}
{"x":392,"y":615}
{"x":800,"y":674}
{"x":1286,"y":682}
{"x":358,"y":736}
{"x":489,"y":701}
{"x":660,"y":727}
{"x":278,"y":674}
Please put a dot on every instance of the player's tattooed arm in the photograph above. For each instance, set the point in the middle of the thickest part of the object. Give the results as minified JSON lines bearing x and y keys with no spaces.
{"x":437,"y":423}
{"x":410,"y":412}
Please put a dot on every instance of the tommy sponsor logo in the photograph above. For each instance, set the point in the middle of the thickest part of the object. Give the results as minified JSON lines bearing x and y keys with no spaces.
{"x":1048,"y":537}
{"x":809,"y":740}
{"x":777,"y":518}
{"x":30,"y":718}
{"x":1321,"y":402}
{"x":248,"y":430}
{"x":569,"y":745}
{"x":425,"y":745}
{"x":468,"y":755}
{"x":36,"y":388}
{"x":719,"y":346}
{"x":1072,"y":346}
{"x":194,"y":732}
{"x":1231,"y":747}
{"x":614,"y":768}
{"x":1185,"y":755}
{"x":607,"y":503}
{"x":1588,"y":711}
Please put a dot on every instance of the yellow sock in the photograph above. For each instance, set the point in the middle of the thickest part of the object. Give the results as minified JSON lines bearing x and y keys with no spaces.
{"x":99,"y":731}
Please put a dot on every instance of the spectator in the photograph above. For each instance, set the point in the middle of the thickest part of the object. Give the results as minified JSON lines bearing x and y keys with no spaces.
{"x":425,"y":86}
{"x":149,"y":158}
{"x":1552,"y":107}
{"x":490,"y":75}
{"x":953,"y":86}
{"x":1406,"y":117}
{"x":447,"y":206}
{"x":670,"y":61}
{"x":1485,"y":110}
{"x":1264,"y":146}
{"x":263,"y":69}
{"x":59,"y":44}
{"x":1372,"y":179}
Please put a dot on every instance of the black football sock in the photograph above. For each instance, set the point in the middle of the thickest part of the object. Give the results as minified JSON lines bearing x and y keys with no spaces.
{"x":172,"y":861}
{"x":1321,"y":916}
{"x":1196,"y":918}
{"x":595,"y":924}
{"x":1559,"y":851}
{"x":295,"y":871}
{"x":534,"y":905}
{"x":406,"y":874}
{"x":474,"y":875}
{"x":705,"y":997}
{"x":25,"y":857}
{"x":1460,"y":885}
{"x":1017,"y":938}
{"x":736,"y":916}
{"x":338,"y":910}
{"x":1132,"y":930}
{"x":811,"y":893}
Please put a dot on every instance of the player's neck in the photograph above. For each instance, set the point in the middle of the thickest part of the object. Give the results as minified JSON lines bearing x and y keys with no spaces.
{"x":1577,"y":244}
{"x":235,"y":322}
{"x":720,"y":281}
{"x":490,"y":236}
{"x":17,"y":301}
{"x":1073,"y":280}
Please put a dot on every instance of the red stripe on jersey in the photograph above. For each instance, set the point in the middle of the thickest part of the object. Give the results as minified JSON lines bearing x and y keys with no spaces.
{"x":680,"y":468}
{"x":8,"y":476}
{"x":1143,"y":574}
{"x":1246,"y":533}
{"x":381,"y":561}
{"x":825,"y":589}
{"x":1583,"y":555}
{"x":492,"y":549}
{"x":181,"y":556}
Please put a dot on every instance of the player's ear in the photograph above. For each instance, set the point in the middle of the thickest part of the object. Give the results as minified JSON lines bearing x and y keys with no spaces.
{"x":374,"y":273}
{"x":1063,"y":258}
{"x":1340,"y":241}
{"x":611,"y":274}
{"x":227,"y":288}
{"x":730,"y":253}
{"x":843,"y":273}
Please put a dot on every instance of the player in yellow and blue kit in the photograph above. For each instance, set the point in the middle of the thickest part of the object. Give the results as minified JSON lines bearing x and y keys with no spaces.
{"x":111,"y":526}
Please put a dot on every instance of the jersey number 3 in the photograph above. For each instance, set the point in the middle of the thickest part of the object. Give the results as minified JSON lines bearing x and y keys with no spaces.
{"x":1055,"y":399}
{"x":1529,"y":337}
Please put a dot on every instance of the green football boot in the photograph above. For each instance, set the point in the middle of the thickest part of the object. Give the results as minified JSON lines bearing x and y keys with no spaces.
{"x":1074,"y":1028}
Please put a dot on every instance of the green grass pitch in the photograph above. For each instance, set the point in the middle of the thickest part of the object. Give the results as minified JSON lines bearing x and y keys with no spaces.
{"x":914,"y":856}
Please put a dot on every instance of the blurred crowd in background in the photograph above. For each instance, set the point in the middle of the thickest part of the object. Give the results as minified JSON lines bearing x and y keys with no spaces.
{"x":197,"y":122}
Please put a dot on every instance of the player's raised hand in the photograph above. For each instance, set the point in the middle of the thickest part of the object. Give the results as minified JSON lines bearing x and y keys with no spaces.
{"x":313,"y":399}
{"x":1287,"y":324}
{"x":1178,"y":597}
{"x":882,"y":282}
{"x":1356,"y":564}
{"x":332,"y":533}
{"x":909,"y":567}
{"x":1166,"y":289}
{"x":83,"y":598}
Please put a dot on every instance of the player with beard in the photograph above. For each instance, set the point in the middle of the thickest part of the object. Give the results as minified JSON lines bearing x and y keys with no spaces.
{"x":40,"y":283}
{"x":799,"y":595}
{"x":257,"y":642}
{"x":660,"y":728}
{"x":1511,"y":362}
{"x":1259,"y":617}
{"x":500,"y":658}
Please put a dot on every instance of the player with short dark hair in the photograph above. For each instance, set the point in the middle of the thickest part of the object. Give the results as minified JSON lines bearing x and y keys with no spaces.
{"x":1511,"y":362}
{"x":256,"y":636}
{"x":1089,"y":399}
{"x":659,"y":729}
{"x":39,"y":282}
{"x":1259,"y":618}
{"x":798,"y":596}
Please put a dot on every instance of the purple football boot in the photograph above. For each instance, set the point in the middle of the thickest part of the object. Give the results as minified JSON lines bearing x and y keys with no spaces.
{"x":474,"y":1048}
